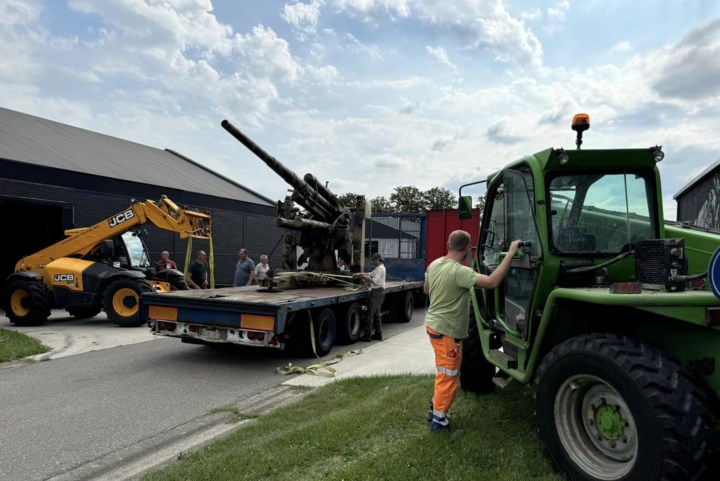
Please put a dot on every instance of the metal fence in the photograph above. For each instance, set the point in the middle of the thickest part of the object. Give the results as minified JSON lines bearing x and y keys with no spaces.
{"x":396,"y":236}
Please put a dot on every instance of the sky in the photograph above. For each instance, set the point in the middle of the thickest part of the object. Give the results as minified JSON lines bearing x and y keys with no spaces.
{"x":369,"y":95}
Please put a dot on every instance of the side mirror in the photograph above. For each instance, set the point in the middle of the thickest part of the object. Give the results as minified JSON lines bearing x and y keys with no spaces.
{"x":465,"y":207}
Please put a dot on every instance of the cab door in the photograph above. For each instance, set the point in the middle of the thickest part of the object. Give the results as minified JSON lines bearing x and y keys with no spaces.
{"x":512,"y":216}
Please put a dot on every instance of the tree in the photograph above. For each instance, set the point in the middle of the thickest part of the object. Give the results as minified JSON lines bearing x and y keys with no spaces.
{"x":348,"y":200}
{"x":480,"y":203}
{"x":439,"y":198}
{"x":408,"y":199}
{"x":381,"y":204}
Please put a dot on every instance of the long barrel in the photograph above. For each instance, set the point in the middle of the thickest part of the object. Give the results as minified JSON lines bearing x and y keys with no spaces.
{"x":324,"y":208}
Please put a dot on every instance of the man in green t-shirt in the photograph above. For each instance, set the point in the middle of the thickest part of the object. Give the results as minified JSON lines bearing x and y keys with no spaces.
{"x":448,"y":284}
{"x":199,"y":272}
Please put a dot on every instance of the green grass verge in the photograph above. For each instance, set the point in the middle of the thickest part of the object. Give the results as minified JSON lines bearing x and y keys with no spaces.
{"x":375,"y":429}
{"x":15,"y":345}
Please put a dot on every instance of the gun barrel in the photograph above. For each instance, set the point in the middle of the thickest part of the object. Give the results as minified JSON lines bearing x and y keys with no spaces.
{"x":324,"y":192}
{"x":288,"y":175}
{"x":302,"y":224}
{"x":325,"y":208}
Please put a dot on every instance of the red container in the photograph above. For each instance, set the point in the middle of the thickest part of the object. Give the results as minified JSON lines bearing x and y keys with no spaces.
{"x":440,"y":223}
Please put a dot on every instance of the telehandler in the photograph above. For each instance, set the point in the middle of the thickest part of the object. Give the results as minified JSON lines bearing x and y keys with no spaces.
{"x":606,"y":311}
{"x":105,"y":266}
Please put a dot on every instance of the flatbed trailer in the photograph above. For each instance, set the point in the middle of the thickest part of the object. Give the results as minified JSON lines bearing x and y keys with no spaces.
{"x":312,"y":318}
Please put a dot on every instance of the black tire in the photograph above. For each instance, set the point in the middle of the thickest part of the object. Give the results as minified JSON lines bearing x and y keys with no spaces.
{"x":83,"y":312}
{"x":615,"y":408}
{"x":405,"y":306}
{"x":121,"y":301}
{"x":350,"y":325}
{"x":178,"y":283}
{"x":476,"y":373}
{"x":26,"y":302}
{"x":324,"y":330}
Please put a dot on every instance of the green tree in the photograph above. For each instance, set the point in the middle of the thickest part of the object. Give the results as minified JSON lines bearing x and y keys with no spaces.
{"x":439,"y":198}
{"x":408,"y":199}
{"x":480,"y":203}
{"x":348,"y":200}
{"x":381,"y":204}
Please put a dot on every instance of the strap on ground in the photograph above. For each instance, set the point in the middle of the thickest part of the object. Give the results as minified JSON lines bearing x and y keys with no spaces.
{"x":322,"y":369}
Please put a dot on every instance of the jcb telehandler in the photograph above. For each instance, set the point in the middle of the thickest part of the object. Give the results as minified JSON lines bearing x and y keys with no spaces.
{"x":606,"y":311}
{"x":105,"y":266}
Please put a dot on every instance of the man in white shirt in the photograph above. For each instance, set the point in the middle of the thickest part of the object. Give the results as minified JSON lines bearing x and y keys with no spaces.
{"x":373,"y":320}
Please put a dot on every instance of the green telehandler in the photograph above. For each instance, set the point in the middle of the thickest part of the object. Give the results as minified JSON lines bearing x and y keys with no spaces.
{"x":607,"y":311}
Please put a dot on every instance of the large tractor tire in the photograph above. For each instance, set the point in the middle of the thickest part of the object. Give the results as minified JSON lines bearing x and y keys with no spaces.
{"x":476,"y":373}
{"x":349,"y":326}
{"x":83,"y":312}
{"x":26,"y":302}
{"x":121,"y":301}
{"x":405,"y":306}
{"x":613,"y":408}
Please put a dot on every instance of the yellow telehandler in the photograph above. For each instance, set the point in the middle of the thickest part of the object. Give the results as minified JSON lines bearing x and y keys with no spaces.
{"x":105,"y":266}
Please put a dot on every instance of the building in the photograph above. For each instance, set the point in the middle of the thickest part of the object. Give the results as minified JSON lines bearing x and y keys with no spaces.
{"x":55,"y":177}
{"x":698,"y":203}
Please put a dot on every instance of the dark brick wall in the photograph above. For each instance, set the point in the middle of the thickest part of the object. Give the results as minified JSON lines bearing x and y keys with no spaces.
{"x":92,"y":199}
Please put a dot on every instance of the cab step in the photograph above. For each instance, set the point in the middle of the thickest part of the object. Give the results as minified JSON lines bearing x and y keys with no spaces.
{"x":504,"y":360}
{"x":502,"y":382}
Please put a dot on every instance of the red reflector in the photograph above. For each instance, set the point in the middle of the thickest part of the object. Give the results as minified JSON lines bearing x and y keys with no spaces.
{"x":712,"y":316}
{"x":192,"y":328}
{"x":274,"y":341}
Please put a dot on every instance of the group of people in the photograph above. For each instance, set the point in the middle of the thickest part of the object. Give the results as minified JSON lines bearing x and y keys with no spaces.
{"x":447,"y":283}
{"x":246,"y":272}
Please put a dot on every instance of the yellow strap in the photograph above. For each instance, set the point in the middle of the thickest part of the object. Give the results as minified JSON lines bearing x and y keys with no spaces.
{"x":322,"y":369}
{"x":211,"y":263}
{"x":188,"y":253}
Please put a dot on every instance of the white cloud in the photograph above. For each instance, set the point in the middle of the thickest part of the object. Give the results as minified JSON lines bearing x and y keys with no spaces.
{"x":370,"y":10}
{"x":441,"y":55}
{"x":303,"y":17}
{"x":356,"y":46}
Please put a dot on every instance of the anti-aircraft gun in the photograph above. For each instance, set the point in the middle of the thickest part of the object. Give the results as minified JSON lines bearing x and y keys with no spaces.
{"x":325,"y":226}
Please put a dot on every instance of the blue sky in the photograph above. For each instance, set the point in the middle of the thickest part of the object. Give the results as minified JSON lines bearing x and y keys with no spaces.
{"x":373,"y":94}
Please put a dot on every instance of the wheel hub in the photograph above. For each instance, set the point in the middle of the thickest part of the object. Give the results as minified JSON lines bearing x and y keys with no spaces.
{"x":609,"y":422}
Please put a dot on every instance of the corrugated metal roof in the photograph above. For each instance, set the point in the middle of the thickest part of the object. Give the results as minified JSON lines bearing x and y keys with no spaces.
{"x":38,"y":141}
{"x":697,"y":179}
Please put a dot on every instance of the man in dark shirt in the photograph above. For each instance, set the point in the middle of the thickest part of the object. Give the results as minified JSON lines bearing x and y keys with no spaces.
{"x":199,"y":272}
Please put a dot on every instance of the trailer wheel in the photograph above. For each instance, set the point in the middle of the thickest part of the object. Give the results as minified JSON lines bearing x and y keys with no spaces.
{"x":121,"y":301}
{"x":26,"y":302}
{"x":405,"y":306}
{"x":324,"y":329}
{"x":609,"y":407}
{"x":476,"y":373}
{"x":83,"y":312}
{"x":348,"y":330}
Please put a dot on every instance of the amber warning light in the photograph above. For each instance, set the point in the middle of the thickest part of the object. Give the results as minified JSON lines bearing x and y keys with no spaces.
{"x":580,"y":123}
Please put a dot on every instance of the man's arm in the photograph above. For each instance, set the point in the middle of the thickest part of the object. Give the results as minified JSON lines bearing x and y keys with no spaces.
{"x":494,"y":279}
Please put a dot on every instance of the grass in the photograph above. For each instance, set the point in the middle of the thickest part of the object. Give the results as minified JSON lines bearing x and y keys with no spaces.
{"x":375,"y":429}
{"x":15,"y":345}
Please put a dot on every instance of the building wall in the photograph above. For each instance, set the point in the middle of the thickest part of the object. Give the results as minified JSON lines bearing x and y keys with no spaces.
{"x":700,"y":205}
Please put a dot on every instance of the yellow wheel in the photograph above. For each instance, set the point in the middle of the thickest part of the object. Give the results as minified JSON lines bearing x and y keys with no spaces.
{"x":26,"y":302}
{"x":121,"y":300}
{"x":19,"y":303}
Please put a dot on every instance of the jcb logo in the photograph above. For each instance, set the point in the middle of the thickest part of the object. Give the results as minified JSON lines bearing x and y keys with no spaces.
{"x":69,"y":278}
{"x":120,"y":218}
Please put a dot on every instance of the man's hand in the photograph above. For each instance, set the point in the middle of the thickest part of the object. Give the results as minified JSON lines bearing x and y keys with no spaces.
{"x":514,"y":248}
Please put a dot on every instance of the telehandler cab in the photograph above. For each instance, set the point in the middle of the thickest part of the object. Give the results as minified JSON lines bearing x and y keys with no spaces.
{"x":105,"y":266}
{"x":605,"y":311}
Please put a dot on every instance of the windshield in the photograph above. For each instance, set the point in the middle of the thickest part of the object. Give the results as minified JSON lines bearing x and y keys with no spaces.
{"x":600,"y":213}
{"x":136,"y":250}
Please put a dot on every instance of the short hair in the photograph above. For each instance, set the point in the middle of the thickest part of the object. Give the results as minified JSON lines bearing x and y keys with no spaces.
{"x":201,"y":253}
{"x":164,"y":252}
{"x":243,"y":251}
{"x":263,"y":257}
{"x":458,"y":240}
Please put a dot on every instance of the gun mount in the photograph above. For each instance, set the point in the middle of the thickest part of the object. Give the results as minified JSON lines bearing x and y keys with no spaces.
{"x":324,"y":225}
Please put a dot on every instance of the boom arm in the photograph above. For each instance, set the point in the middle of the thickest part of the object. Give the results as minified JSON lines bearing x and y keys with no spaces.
{"x":80,"y":242}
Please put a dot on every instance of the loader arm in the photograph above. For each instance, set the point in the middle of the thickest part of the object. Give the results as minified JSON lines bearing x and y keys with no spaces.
{"x":82,"y":241}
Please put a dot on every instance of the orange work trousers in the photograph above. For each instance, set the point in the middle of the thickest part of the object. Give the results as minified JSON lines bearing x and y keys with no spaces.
{"x":448,"y":358}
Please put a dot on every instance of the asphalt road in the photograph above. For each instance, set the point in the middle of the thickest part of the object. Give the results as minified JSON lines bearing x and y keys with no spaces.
{"x":66,"y":412}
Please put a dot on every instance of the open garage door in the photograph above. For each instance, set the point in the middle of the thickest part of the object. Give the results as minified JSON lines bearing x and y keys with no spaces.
{"x":30,"y":225}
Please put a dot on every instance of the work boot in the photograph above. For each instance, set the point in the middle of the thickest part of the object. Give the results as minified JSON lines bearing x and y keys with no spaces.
{"x":440,"y":423}
{"x":365,"y":338}
{"x":377,"y":336}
